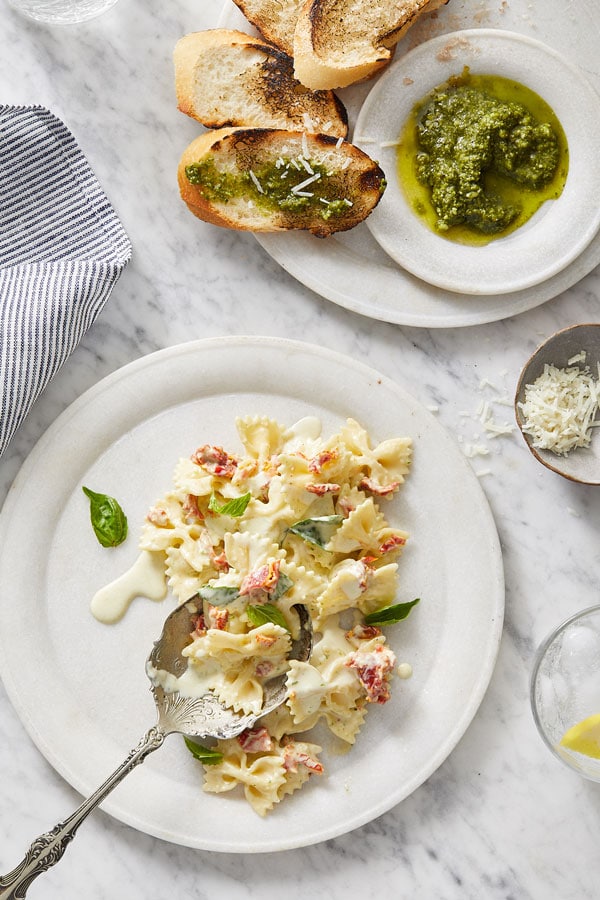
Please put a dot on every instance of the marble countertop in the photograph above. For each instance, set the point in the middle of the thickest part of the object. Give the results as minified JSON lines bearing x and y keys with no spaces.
{"x":501,"y":819}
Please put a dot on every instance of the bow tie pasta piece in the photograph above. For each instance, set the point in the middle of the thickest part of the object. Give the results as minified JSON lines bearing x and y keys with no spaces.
{"x":190,"y":478}
{"x":306,"y":689}
{"x":262,"y":437}
{"x":307,"y":584}
{"x":183,"y":579}
{"x":380,"y":469}
{"x":356,"y":583}
{"x":241,"y":688}
{"x":268,"y":641}
{"x":365,"y":529}
{"x":266,"y":776}
{"x":246,"y":552}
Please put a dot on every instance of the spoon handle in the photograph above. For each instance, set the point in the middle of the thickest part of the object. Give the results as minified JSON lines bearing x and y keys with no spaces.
{"x":48,"y":848}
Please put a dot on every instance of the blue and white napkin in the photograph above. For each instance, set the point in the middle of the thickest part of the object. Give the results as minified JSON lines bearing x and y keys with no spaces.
{"x":62,"y":250}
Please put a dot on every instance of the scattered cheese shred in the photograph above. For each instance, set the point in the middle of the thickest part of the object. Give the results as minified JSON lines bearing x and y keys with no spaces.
{"x":257,"y":183}
{"x":305,"y":151}
{"x":560,"y":407}
{"x":308,"y":122}
{"x":472,"y":450}
{"x":298,"y":188}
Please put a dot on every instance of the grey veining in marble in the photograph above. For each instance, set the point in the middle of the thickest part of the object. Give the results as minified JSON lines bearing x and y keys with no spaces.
{"x":501,"y":819}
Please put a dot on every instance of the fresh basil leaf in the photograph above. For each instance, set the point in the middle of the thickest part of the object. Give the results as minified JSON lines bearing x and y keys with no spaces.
{"x":318,"y":530}
{"x":204,"y":754}
{"x":218,"y":596}
{"x":266,"y":612}
{"x":388,"y":615}
{"x":235,"y":507}
{"x":108,"y":519}
{"x":284,"y":583}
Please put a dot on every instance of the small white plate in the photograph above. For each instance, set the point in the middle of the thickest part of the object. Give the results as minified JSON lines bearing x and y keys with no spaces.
{"x":80,"y":687}
{"x":556,"y":234}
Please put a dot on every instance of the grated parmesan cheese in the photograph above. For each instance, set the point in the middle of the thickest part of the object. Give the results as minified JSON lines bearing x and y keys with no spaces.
{"x":472,"y":450}
{"x":307,"y":165}
{"x":560,"y":407}
{"x":256,"y":182}
{"x":299,"y":188}
{"x":308,"y":122}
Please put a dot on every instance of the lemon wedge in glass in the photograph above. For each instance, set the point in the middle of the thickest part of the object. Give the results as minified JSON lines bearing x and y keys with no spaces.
{"x":584,"y":737}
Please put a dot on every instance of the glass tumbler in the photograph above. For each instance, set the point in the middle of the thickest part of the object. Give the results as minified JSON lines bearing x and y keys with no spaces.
{"x":565,"y":685}
{"x":62,"y":12}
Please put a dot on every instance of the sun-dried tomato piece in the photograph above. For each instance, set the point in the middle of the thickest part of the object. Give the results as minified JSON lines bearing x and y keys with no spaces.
{"x":392,"y":542}
{"x":215,"y":460}
{"x":321,"y":489}
{"x":264,"y":578}
{"x":255,"y":740}
{"x":373,"y":668}
{"x":368,"y":484}
{"x":318,"y":462}
{"x":293,"y":757}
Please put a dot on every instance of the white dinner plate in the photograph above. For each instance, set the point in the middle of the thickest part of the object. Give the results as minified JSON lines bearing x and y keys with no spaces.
{"x":80,"y":686}
{"x":353,"y":271}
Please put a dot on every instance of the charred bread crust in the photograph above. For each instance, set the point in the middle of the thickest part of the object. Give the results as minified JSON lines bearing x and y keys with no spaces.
{"x":390,"y":38}
{"x":260,"y":91}
{"x":334,"y":48}
{"x":282,"y":89}
{"x":274,"y":19}
{"x":240,"y":149}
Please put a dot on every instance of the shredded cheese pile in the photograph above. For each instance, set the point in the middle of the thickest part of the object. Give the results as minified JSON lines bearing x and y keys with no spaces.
{"x":560,"y":407}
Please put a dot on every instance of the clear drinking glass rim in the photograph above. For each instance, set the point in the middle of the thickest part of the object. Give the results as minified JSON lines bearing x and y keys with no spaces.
{"x":539,"y":656}
{"x":52,"y":21}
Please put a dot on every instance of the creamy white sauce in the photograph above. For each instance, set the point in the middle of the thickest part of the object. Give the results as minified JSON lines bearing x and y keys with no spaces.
{"x":405,"y":670}
{"x":194,"y":682}
{"x":306,"y":687}
{"x":354,"y":572}
{"x":303,"y":434}
{"x":146,"y":578}
{"x":308,"y":427}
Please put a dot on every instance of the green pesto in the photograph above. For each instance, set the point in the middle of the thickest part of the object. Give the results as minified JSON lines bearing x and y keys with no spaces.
{"x":276,"y":179}
{"x":479,"y":156}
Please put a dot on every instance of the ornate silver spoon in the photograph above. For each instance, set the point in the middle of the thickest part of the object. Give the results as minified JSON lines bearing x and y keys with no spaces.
{"x":195,"y":717}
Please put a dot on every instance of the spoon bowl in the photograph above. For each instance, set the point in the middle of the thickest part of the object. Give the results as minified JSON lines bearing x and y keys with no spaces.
{"x":206,"y":716}
{"x":581,"y":465}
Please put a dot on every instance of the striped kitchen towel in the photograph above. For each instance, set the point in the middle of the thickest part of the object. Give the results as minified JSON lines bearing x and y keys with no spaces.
{"x":62,"y":250}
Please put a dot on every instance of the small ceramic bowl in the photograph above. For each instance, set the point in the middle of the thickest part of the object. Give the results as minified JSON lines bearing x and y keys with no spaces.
{"x":556,"y":234}
{"x":583,"y":463}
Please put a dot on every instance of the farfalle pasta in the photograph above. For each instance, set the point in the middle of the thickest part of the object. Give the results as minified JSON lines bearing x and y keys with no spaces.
{"x":295,"y":518}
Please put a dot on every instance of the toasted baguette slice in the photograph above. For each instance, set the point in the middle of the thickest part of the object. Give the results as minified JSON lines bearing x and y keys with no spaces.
{"x":263,"y":179}
{"x":340,"y":42}
{"x":229,"y":78}
{"x":275,"y":19}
